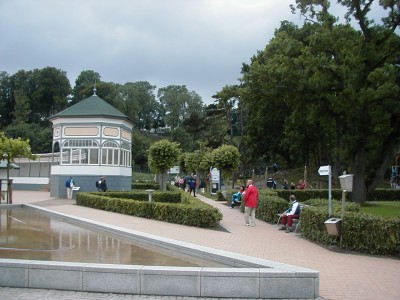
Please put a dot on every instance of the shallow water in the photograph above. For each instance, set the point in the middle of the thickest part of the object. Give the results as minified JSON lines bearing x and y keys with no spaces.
{"x":27,"y":233}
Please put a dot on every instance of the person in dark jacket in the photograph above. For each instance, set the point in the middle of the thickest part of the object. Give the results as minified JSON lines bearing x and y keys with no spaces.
{"x":103,"y":184}
{"x":192,"y":185}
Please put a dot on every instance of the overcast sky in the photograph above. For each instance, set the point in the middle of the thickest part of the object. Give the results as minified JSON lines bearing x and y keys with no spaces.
{"x":198,"y":43}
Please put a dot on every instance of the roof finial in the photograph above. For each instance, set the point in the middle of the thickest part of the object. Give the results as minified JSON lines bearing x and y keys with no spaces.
{"x":94,"y":89}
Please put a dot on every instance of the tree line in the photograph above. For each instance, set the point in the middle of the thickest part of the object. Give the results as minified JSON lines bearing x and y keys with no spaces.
{"x":324,"y":93}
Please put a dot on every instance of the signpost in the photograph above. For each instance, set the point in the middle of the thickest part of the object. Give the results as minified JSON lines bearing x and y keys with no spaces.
{"x":326,"y":171}
{"x":215,"y":180}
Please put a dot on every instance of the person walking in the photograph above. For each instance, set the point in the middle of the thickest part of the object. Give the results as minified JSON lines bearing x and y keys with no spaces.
{"x":192,"y":185}
{"x":103,"y":184}
{"x":251,"y":203}
{"x":202,"y":186}
{"x":69,"y":185}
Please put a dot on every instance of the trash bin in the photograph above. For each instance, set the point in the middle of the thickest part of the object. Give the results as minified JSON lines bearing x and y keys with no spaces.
{"x":333,"y":226}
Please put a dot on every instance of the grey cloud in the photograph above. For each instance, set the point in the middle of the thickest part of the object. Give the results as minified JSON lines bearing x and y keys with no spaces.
{"x":197,"y":43}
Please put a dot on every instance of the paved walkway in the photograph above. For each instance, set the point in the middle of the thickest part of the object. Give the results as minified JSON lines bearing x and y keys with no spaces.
{"x":342,"y":275}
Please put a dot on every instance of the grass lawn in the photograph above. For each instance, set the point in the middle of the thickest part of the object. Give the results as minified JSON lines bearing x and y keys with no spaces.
{"x":382,"y":208}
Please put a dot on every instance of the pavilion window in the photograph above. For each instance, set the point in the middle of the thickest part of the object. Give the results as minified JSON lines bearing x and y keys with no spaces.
{"x":93,"y":156}
{"x":66,"y":157}
{"x":125,"y":154}
{"x":80,"y":152}
{"x":110,"y":153}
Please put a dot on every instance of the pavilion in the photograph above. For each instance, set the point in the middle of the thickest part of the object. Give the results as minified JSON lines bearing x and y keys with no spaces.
{"x":91,"y":139}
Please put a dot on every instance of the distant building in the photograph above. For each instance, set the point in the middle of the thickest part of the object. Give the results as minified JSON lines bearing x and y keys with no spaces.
{"x":91,"y":139}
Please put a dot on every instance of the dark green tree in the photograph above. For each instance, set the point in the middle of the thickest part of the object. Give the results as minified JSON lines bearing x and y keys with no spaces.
{"x":178,"y":103}
{"x":50,"y":94}
{"x":184,"y":139}
{"x":216,"y":130}
{"x":5,"y":99}
{"x":227,"y":98}
{"x":364,"y":71}
{"x":84,"y":85}
{"x":139,"y":103}
{"x":330,"y":92}
{"x":21,"y":81}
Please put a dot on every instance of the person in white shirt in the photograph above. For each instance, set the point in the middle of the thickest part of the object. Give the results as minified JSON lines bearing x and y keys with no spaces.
{"x":292,"y":213}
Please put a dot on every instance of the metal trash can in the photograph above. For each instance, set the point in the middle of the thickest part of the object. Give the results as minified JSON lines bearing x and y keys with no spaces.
{"x":333,"y":226}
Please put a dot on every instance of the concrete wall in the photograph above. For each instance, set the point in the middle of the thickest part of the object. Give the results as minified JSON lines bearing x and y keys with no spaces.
{"x":32,"y":169}
{"x":249,"y":278}
{"x":87,"y":184}
{"x":265,"y":283}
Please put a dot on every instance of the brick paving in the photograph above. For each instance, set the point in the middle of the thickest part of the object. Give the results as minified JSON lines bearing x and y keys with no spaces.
{"x":342,"y":275}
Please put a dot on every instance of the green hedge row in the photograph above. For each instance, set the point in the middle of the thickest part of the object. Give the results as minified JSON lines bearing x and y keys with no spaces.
{"x":361,"y":232}
{"x":384,"y":195}
{"x":303,"y":195}
{"x":189,"y":212}
{"x":140,"y":195}
{"x":145,"y":186}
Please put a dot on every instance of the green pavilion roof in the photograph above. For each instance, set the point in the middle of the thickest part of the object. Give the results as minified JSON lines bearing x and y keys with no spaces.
{"x":93,"y":106}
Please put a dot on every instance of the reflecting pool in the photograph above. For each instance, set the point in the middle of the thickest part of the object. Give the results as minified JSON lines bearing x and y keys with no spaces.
{"x":28,"y":233}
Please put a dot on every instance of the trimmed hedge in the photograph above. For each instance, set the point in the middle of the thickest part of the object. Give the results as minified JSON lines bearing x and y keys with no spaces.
{"x":189,"y":212}
{"x":269,"y":207}
{"x":361,"y":232}
{"x":304,"y":195}
{"x":384,"y":195}
{"x":145,"y":186}
{"x":375,"y":195}
{"x":140,"y":195}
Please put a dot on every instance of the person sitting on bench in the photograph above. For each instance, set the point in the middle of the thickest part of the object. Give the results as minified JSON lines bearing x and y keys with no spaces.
{"x":292,"y":213}
{"x":236,"y":198}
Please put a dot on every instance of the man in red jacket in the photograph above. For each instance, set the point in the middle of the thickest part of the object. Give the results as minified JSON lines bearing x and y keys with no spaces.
{"x":251,"y":202}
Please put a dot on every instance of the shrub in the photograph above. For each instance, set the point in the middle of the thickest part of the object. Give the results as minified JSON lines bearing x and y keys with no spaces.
{"x":190,"y":211}
{"x":375,"y":195}
{"x":269,"y":206}
{"x":361,"y":232}
{"x":145,"y":186}
{"x":140,"y":195}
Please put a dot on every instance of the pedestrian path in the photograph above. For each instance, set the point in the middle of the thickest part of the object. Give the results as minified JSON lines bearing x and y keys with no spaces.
{"x":342,"y":275}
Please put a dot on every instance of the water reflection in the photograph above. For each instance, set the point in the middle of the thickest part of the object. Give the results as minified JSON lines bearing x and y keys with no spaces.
{"x":27,"y":233}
